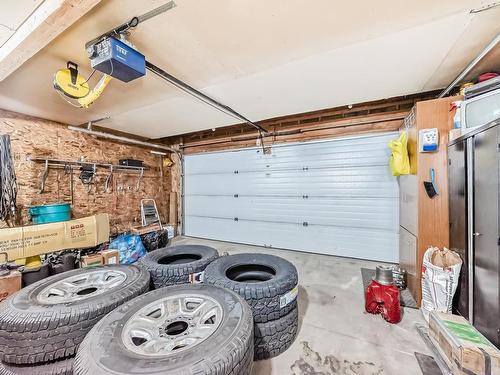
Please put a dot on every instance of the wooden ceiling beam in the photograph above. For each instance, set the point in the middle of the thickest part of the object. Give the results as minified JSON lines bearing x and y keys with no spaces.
{"x":49,"y":20}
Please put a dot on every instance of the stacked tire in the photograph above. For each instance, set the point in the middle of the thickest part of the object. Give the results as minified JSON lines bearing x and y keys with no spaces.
{"x":42,"y":325}
{"x":182,"y":329}
{"x":269,"y":284}
{"x":181,"y":264}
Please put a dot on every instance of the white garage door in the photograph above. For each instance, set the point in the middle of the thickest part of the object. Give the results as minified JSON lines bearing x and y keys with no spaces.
{"x":334,"y":197}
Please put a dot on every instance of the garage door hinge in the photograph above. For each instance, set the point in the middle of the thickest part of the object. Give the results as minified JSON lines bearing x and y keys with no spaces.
{"x":236,"y":172}
{"x":236,"y":195}
{"x":235,"y":219}
{"x":305,"y":196}
{"x":305,"y":223}
{"x":305,"y":168}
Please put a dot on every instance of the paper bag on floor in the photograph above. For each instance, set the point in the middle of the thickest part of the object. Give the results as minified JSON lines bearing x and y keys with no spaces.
{"x":440,"y":272}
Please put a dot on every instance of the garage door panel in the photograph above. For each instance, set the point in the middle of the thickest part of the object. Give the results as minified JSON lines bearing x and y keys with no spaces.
{"x":354,"y":243}
{"x":282,"y":188}
{"x":353,"y":182}
{"x":336,"y":197}
{"x":367,"y":213}
{"x":373,"y":173}
{"x":312,"y":155}
{"x":274,"y":162}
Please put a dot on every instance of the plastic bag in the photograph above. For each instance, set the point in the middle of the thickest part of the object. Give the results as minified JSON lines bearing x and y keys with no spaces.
{"x":399,"y":160}
{"x":155,"y":240}
{"x":129,"y":247}
{"x":440,"y":272}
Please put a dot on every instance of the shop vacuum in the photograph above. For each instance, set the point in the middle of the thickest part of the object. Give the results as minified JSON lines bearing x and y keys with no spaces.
{"x":382,"y":296}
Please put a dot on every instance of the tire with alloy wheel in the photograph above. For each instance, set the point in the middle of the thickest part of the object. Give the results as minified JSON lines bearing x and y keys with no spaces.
{"x":176,"y":264}
{"x":47,"y":320}
{"x":267,"y":282}
{"x":274,"y":337}
{"x":62,"y":367}
{"x":183,"y":329}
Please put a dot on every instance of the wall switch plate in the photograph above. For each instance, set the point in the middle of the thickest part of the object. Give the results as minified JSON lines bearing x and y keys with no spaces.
{"x":428,"y":140}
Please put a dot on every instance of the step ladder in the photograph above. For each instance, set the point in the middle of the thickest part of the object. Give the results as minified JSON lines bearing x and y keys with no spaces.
{"x":149,"y":213}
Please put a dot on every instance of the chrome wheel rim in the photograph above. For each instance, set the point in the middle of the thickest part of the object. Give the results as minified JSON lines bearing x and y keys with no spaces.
{"x":172,"y":324}
{"x":81,"y":286}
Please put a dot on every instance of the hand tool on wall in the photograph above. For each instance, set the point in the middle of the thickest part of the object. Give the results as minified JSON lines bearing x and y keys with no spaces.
{"x":68,"y":169}
{"x":45,"y":173}
{"x":87,"y":175}
{"x":109,"y":181}
{"x":430,"y":186}
{"x":138,"y":186}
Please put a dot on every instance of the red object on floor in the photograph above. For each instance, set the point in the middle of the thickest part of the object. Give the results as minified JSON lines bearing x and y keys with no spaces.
{"x":383,"y":299}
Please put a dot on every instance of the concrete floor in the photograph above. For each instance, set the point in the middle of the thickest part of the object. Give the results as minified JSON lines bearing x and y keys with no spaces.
{"x":335,"y":335}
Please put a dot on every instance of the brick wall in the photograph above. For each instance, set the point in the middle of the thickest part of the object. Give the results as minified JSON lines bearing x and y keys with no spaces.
{"x":32,"y":137}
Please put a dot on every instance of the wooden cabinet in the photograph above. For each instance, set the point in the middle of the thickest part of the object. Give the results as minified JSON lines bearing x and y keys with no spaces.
{"x":408,"y":203}
{"x":407,"y":251}
{"x":424,"y":221}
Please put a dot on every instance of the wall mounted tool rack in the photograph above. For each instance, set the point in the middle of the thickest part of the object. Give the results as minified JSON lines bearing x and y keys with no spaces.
{"x":78,"y":165}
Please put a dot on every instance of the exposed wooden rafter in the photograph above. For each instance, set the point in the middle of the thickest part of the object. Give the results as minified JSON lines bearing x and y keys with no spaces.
{"x":376,"y":116}
{"x":49,"y":20}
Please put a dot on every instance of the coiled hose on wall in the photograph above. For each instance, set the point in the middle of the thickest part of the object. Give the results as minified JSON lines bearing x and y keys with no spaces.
{"x":8,"y":184}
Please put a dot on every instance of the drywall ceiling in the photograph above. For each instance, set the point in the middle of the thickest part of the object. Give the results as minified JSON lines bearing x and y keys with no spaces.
{"x":13,"y":13}
{"x":263,"y":58}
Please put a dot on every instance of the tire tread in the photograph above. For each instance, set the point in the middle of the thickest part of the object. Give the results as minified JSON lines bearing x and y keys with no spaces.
{"x":55,"y":332}
{"x":263,"y":298}
{"x":274,"y":337}
{"x":163,"y":275}
{"x":62,"y":367}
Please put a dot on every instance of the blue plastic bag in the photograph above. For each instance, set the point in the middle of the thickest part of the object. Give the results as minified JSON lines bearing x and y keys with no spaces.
{"x":129,"y":247}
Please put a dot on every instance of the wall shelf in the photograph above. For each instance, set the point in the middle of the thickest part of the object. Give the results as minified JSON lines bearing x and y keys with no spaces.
{"x":78,"y":164}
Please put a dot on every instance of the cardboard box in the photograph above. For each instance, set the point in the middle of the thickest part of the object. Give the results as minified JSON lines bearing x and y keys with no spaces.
{"x":91,"y":260}
{"x":147,"y":229}
{"x":110,"y":256}
{"x":32,"y":240}
{"x":463,"y":347}
{"x":9,"y":284}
